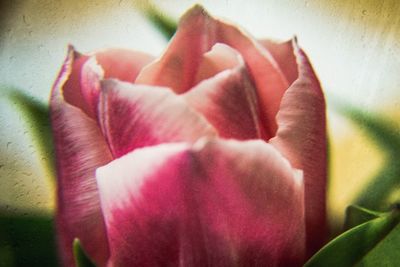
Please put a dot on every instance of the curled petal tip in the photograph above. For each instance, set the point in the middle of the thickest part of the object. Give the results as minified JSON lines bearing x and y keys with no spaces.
{"x":195,"y":11}
{"x":295,"y":40}
{"x":70,"y":47}
{"x":71,"y":50}
{"x":198,"y":8}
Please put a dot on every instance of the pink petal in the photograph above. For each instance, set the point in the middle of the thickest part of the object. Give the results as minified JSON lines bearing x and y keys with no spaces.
{"x":134,"y":116}
{"x":301,"y":137}
{"x":80,"y":149}
{"x":82,"y":87}
{"x":71,"y":87}
{"x":268,"y":78}
{"x":219,"y":203}
{"x":91,"y":75}
{"x":122,"y":64}
{"x":284,"y":56}
{"x":197,"y":33}
{"x":228,"y":100}
{"x":177,"y":68}
{"x":221,"y":57}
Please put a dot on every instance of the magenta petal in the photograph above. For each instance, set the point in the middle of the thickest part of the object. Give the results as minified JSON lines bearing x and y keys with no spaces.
{"x":301,"y":137}
{"x":229,"y":102}
{"x":197,"y":33}
{"x":134,"y":116}
{"x":80,"y":149}
{"x":219,"y":203}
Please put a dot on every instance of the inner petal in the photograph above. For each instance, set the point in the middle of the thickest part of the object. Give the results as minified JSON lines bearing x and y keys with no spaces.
{"x":221,"y":57}
{"x":228,"y":101}
{"x":133,"y":116}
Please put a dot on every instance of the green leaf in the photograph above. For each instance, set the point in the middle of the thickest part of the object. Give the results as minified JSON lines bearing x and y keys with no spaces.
{"x":37,"y":115}
{"x":165,"y":24}
{"x":81,"y":259}
{"x":27,"y":240}
{"x":387,"y":137}
{"x":356,"y":215}
{"x":386,"y":252}
{"x":362,"y":245}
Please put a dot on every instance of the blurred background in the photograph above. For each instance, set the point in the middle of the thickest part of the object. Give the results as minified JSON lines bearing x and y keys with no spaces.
{"x":353,"y":45}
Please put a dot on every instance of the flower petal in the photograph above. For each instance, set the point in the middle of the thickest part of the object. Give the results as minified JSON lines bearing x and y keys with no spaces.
{"x":80,"y":149}
{"x":71,"y":87}
{"x":82,"y":87}
{"x":122,"y":64}
{"x":219,"y":203}
{"x":178,"y":67}
{"x":134,"y":116}
{"x":228,"y":100}
{"x":284,"y":56}
{"x":268,"y":78}
{"x":221,"y":57}
{"x":91,"y":75}
{"x":301,"y":137}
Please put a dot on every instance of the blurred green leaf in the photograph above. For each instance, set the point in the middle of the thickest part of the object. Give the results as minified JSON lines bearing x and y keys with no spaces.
{"x":387,"y":137}
{"x":81,"y":259}
{"x":37,"y":115}
{"x":165,"y":24}
{"x":356,"y":215}
{"x":367,"y":244}
{"x":27,"y":240}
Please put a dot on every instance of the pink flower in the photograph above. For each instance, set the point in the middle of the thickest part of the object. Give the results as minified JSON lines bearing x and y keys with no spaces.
{"x":212,"y":155}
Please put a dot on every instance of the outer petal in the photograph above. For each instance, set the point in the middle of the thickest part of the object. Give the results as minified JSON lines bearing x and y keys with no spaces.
{"x":134,"y":116}
{"x":82,"y":88}
{"x":301,"y":137}
{"x":228,"y":100}
{"x":80,"y":149}
{"x":197,"y":33}
{"x":220,"y":203}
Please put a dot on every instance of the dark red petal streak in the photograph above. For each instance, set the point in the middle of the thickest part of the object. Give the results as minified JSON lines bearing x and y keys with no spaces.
{"x":219,"y":203}
{"x":302,"y":139}
{"x":80,"y":149}
{"x":134,"y":116}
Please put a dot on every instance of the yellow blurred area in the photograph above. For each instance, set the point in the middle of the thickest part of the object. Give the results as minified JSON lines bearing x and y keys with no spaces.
{"x":355,"y":159}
